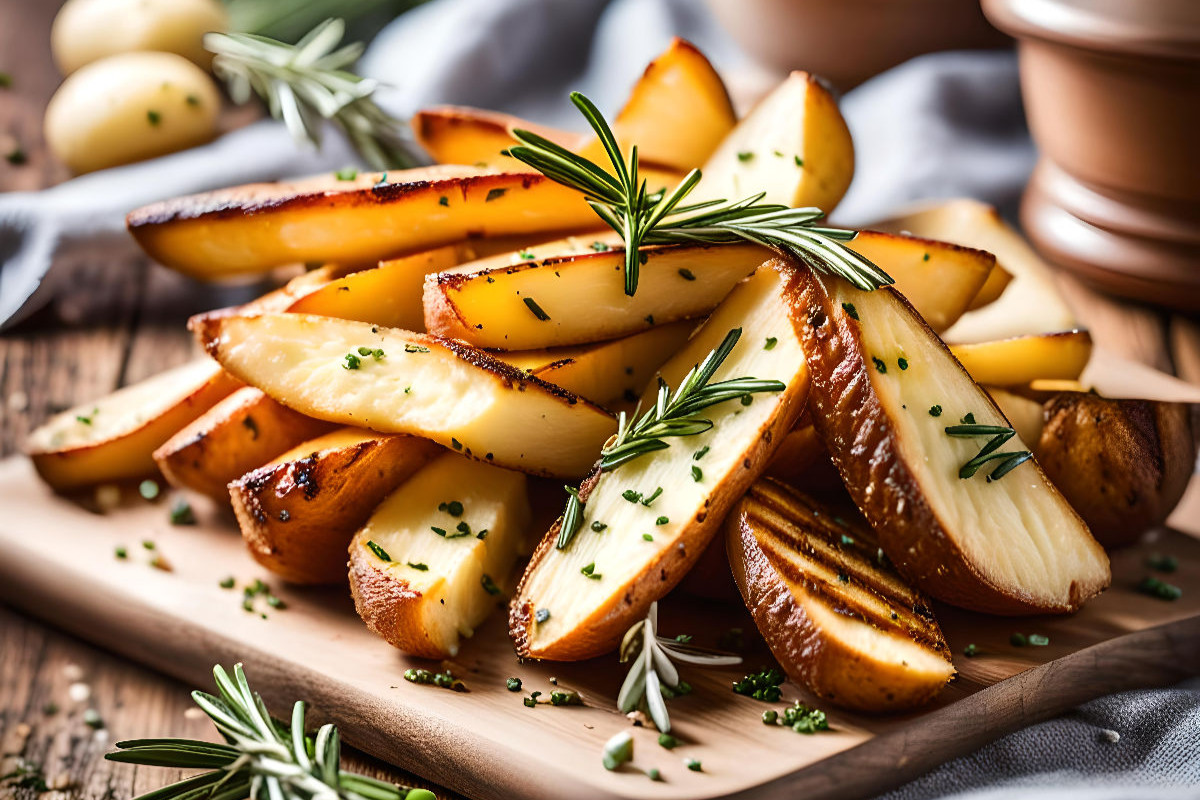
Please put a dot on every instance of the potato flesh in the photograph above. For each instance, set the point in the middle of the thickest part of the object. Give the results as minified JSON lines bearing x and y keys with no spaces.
{"x":1017,"y":532}
{"x":1024,"y":359}
{"x":300,"y":361}
{"x":123,"y":411}
{"x":451,"y":590}
{"x":584,"y":296}
{"x":620,"y":554}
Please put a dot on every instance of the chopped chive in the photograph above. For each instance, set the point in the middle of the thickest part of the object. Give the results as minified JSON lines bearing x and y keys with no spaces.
{"x":453,"y":508}
{"x":455,"y":443}
{"x":415,"y":348}
{"x":631,"y":496}
{"x":536,"y":309}
{"x":935,"y":411}
{"x":439,"y":531}
{"x":419,"y":566}
{"x":598,"y":526}
{"x":746,"y":399}
{"x":697,"y":474}
{"x":352,"y":361}
{"x":687,"y":274}
{"x":1018,"y":640}
{"x":647,"y":537}
{"x":1155,"y":587}
{"x":120,"y":552}
{"x":770,"y":343}
{"x":1038,"y":640}
{"x":880,"y":366}
{"x":494,"y":194}
{"x":968,"y":419}
{"x":745,"y":155}
{"x":799,"y":161}
{"x":182,"y":514}
{"x":599,"y":247}
{"x":693,"y":764}
{"x":154,"y":117}
{"x":489,"y":585}
{"x":661,"y":521}
{"x":443,"y":201}
{"x":347,"y":174}
{"x":851,"y":310}
{"x":970,"y":651}
{"x":381,"y":182}
{"x":590,"y":571}
{"x":902,"y":363}
{"x":925,"y":257}
{"x":378,"y":551}
{"x":701,"y":453}
{"x":513,"y":684}
{"x":653,"y":496}
{"x":226,"y":582}
{"x":668,"y":741}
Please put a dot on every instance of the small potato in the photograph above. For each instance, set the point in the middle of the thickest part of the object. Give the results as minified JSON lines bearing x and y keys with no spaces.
{"x":89,"y":30}
{"x":128,"y":108}
{"x":1123,"y":464}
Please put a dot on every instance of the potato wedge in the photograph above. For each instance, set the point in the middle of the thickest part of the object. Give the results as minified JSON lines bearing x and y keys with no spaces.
{"x":794,"y":146}
{"x":998,"y":280}
{"x":838,"y":618}
{"x":939,"y":279}
{"x":577,"y":602}
{"x":571,"y":300}
{"x":1123,"y":464}
{"x":298,"y":513}
{"x":396,"y":381}
{"x":608,"y":372}
{"x":422,"y":590}
{"x":243,"y":431}
{"x":802,"y":460}
{"x":249,"y":229}
{"x":1024,"y":415}
{"x":1030,"y":304}
{"x":1024,"y":359}
{"x":113,"y":438}
{"x":885,"y":389}
{"x":463,"y":135}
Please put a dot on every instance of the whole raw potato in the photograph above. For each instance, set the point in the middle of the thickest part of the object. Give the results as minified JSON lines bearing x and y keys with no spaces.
{"x":1123,"y":464}
{"x":128,"y":108}
{"x":89,"y":30}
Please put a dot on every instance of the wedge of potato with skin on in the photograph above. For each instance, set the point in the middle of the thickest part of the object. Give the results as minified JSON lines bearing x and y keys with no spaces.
{"x":836,"y":615}
{"x":1123,"y":464}
{"x":299,"y":512}
{"x":464,"y":135}
{"x":1024,"y":359}
{"x":794,"y":146}
{"x":1024,"y":415}
{"x":998,"y":280}
{"x":885,"y":389}
{"x":431,"y":563}
{"x":243,"y":431}
{"x":571,"y":300}
{"x":608,"y":372}
{"x":114,"y":438}
{"x":645,"y":524}
{"x":396,"y":381}
{"x":250,"y":229}
{"x":938,"y":278}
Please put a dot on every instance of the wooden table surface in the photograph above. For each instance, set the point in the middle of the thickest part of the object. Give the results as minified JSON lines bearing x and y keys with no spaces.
{"x":121,"y":321}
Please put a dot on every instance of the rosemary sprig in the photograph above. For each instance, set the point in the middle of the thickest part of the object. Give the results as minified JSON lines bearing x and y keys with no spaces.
{"x":652,"y":671}
{"x":643,"y":217}
{"x":674,"y":414}
{"x":309,"y":83}
{"x":1008,"y":461}
{"x":261,"y":757}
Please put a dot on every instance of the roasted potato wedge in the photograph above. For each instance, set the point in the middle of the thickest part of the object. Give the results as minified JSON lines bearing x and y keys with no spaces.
{"x":1025,"y":415}
{"x":1031,"y":303}
{"x":298,"y":513}
{"x":396,"y":381}
{"x":794,"y":146}
{"x":1024,"y":359}
{"x":114,"y":438}
{"x":568,"y":300}
{"x":885,"y":390}
{"x":1123,"y":464}
{"x":464,"y":135}
{"x":577,"y":602}
{"x":998,"y":280}
{"x":608,"y":372}
{"x":243,"y":431}
{"x":939,"y":279}
{"x":430,"y":564}
{"x":837,"y":616}
{"x":249,"y":229}
{"x":802,"y":461}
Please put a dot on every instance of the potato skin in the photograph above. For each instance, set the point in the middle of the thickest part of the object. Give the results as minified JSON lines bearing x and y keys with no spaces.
{"x":235,"y":436}
{"x":852,"y":422}
{"x":298,"y":516}
{"x":386,"y":605}
{"x":1122,"y":464}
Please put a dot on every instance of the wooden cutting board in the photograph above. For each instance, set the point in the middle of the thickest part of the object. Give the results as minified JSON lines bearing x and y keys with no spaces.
{"x":57,"y":562}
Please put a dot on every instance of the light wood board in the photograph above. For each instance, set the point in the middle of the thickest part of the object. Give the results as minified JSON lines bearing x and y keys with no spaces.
{"x":57,"y":562}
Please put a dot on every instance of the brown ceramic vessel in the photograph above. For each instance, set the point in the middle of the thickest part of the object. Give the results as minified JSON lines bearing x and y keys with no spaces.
{"x":1112,"y":92}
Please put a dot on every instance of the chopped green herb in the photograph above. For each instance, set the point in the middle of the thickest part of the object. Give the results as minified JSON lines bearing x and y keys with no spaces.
{"x":352,"y":361}
{"x":970,"y":651}
{"x":902,"y":363}
{"x":631,"y":496}
{"x":378,"y":551}
{"x":693,"y":764}
{"x":6,"y":80}
{"x":565,"y":698}
{"x":618,"y":750}
{"x":770,"y":343}
{"x":851,"y":310}
{"x":531,"y":701}
{"x":701,"y":453}
{"x":652,"y":497}
{"x":762,"y":685}
{"x":590,"y":571}
{"x":880,"y":366}
{"x":526,"y":255}
{"x":683,"y":638}
{"x":1162,"y":563}
{"x":455,"y":443}
{"x":598,"y":526}
{"x":494,"y":194}
{"x":778,"y":153}
{"x":92,"y":719}
{"x":1159,"y":588}
{"x":745,"y":155}
{"x":599,"y":247}
{"x":968,"y":419}
{"x":148,"y":489}
{"x":1018,"y":640}
{"x":513,"y":684}
{"x":489,"y":585}
{"x":419,"y":566}
{"x":437,"y":530}
{"x":347,"y":174}
{"x":661,"y":521}
{"x":453,"y":508}
{"x":536,"y":309}
{"x":446,"y":679}
{"x":415,"y":348}
{"x":647,"y":537}
{"x":746,"y":399}
{"x":847,"y":540}
{"x":697,"y":474}
{"x":154,"y":117}
{"x":443,"y":201}
{"x":16,"y":155}
{"x":182,"y":514}
{"x":1038,"y":640}
{"x":799,"y":161}
{"x":770,"y":717}
{"x":935,"y":411}
{"x":687,"y":274}
{"x":653,"y":774}
{"x":482,"y":534}
{"x":668,"y":741}
{"x":925,"y":257}
{"x":120,"y":552}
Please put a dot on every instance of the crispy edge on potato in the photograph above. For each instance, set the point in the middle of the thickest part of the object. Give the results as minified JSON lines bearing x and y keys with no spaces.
{"x":1123,"y":464}
{"x":243,"y":431}
{"x":865,"y":444}
{"x":83,"y":446}
{"x":837,"y":617}
{"x":298,"y":513}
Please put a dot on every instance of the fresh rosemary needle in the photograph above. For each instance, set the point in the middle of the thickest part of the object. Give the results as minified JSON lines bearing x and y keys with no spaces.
{"x":309,"y":83}
{"x":643,"y":217}
{"x":1000,"y":435}
{"x":674,"y":414}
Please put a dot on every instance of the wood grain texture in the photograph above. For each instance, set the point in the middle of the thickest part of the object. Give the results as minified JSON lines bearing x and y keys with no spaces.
{"x":485,"y":743}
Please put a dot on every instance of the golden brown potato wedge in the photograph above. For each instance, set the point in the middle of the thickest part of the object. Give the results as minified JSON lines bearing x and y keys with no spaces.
{"x":1030,"y":304}
{"x":243,"y":431}
{"x":802,"y":460}
{"x":396,"y":381}
{"x":646,"y":523}
{"x":431,"y":563}
{"x":608,"y":372}
{"x":1025,"y":415}
{"x":794,"y":146}
{"x":1123,"y":464}
{"x":837,"y":616}
{"x":249,"y":229}
{"x":1024,"y":359}
{"x":885,"y":390}
{"x":463,"y":135}
{"x":113,"y":438}
{"x":298,"y":513}
{"x":998,"y":280}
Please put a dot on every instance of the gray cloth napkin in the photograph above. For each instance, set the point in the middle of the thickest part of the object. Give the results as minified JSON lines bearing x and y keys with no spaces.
{"x":942,"y":125}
